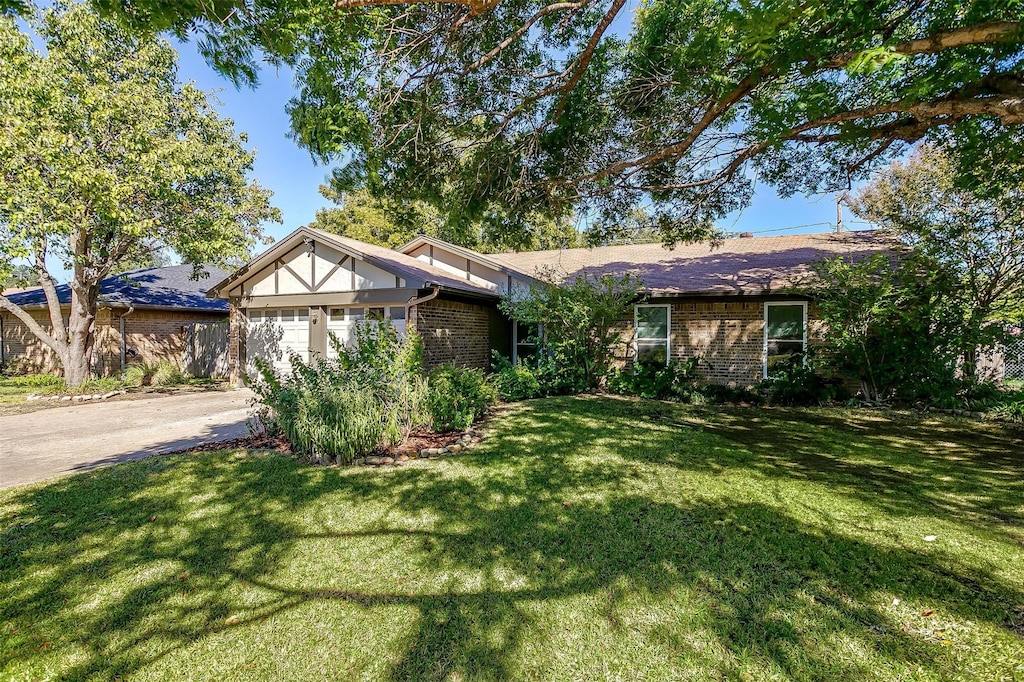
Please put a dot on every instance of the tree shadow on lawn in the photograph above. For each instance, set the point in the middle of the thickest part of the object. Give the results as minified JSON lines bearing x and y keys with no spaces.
{"x":131,"y":564}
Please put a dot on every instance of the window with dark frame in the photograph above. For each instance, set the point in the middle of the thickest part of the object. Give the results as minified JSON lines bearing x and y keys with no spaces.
{"x":653,"y":334}
{"x":785,"y":335}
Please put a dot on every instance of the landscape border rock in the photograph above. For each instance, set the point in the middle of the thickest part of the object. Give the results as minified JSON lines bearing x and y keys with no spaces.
{"x":471,"y":437}
{"x":79,"y":398}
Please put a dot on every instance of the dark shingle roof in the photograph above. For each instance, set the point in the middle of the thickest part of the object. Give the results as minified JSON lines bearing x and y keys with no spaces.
{"x":753,"y":265}
{"x":171,"y":287}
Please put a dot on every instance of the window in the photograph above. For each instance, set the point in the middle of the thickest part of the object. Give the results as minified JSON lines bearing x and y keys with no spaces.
{"x":287,"y":315}
{"x":302,"y":314}
{"x":376,"y":313}
{"x":653,"y":329}
{"x":356,"y":314}
{"x":337,"y":314}
{"x":785,"y":334}
{"x":398,"y":312}
{"x":256,"y":316}
{"x":525,"y":338}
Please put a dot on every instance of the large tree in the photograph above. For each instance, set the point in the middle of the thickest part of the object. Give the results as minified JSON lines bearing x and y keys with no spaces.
{"x":602,"y":105}
{"x":975,"y":235}
{"x":105,"y":157}
{"x":391,"y":222}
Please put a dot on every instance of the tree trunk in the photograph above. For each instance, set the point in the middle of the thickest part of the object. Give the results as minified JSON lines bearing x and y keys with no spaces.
{"x":77,"y":359}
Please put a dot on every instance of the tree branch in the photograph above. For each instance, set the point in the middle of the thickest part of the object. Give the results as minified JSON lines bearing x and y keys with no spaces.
{"x":475,"y":6}
{"x":999,"y":32}
{"x":32,"y":325}
{"x":587,"y":55}
{"x":60,"y":332}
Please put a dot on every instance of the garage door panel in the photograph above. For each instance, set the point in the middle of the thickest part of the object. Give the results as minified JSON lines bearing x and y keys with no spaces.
{"x":275,"y":335}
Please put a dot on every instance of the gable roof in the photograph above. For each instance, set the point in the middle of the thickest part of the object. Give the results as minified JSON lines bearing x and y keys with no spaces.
{"x":171,"y":288}
{"x":744,"y":265}
{"x":465,"y":252}
{"x":416,"y":273}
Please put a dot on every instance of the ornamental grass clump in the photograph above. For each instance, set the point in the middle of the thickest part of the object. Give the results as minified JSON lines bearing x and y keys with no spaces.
{"x":372,"y":396}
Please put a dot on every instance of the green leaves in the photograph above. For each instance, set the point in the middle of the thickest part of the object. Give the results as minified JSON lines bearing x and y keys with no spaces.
{"x":105,"y":157}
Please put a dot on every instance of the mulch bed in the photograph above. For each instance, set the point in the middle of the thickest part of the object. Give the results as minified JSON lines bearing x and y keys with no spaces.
{"x":416,"y":442}
{"x":278,"y":443}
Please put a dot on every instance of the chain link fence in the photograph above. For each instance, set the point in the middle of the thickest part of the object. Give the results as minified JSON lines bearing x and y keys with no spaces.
{"x":1013,"y":359}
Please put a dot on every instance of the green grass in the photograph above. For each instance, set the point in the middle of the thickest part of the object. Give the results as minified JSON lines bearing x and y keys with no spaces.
{"x":585,"y":539}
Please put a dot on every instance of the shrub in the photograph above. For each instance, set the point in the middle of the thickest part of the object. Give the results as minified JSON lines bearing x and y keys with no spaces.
{"x":457,"y":397}
{"x":137,"y":375}
{"x":514,"y":381}
{"x":580,"y":322}
{"x":654,"y":381}
{"x":334,"y":410}
{"x":797,"y":384}
{"x":166,"y":374}
{"x":49,"y":381}
{"x":101,"y":385}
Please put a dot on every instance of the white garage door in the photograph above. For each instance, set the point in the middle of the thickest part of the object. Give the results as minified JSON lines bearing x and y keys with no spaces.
{"x":275,"y":334}
{"x":342,"y":323}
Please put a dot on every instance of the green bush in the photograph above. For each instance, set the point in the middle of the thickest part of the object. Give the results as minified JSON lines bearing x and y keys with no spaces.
{"x":137,"y":375}
{"x":797,"y":384}
{"x":167,"y":374}
{"x":101,"y":385}
{"x":514,"y":381}
{"x":457,"y":397}
{"x":372,"y":396}
{"x":36,"y":380}
{"x":581,"y":323}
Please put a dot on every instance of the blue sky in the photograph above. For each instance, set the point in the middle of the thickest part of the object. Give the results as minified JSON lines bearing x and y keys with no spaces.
{"x":294,"y":177}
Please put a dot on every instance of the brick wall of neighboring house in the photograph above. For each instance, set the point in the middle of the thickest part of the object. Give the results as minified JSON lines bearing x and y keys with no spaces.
{"x":727,"y":337}
{"x":454,"y":331}
{"x":154,"y":335}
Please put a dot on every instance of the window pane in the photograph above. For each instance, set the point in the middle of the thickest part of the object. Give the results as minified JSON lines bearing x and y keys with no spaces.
{"x":337,"y":314}
{"x":398,"y":312}
{"x":287,"y":315}
{"x":526,"y":334}
{"x":355,"y":313}
{"x":256,"y":316}
{"x":784,"y":353}
{"x":526,"y":352}
{"x":302,"y":314}
{"x":652,"y":322}
{"x":652,"y":352}
{"x":376,"y":313}
{"x":786,"y":322}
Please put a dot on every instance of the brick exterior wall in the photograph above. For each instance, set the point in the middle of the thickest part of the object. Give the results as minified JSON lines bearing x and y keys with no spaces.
{"x":454,"y":331}
{"x":155,"y":335}
{"x":727,"y":337}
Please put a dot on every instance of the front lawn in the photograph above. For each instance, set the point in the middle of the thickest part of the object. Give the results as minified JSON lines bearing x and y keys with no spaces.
{"x":585,"y":539}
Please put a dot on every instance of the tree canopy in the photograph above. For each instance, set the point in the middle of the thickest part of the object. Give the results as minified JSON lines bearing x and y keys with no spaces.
{"x":589,"y":105}
{"x":973,"y":235}
{"x":392,"y":222}
{"x":104,"y":158}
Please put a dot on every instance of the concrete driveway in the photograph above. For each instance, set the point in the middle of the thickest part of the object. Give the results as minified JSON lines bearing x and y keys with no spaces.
{"x":63,"y":440}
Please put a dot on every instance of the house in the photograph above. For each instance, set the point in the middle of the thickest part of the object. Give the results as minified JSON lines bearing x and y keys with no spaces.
{"x":144,"y":316}
{"x":726,"y":303}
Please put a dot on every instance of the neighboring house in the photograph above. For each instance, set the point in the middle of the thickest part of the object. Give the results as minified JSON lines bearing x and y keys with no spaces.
{"x":143,"y":316}
{"x":725,"y":303}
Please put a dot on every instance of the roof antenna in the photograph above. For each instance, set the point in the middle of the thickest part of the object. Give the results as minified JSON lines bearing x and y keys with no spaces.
{"x":843,"y":196}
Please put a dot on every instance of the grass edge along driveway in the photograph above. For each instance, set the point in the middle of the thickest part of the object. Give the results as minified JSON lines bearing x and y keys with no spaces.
{"x":587,"y":538}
